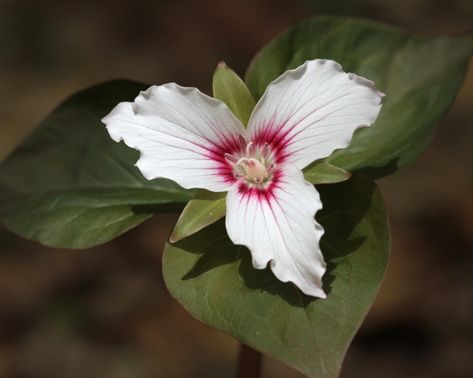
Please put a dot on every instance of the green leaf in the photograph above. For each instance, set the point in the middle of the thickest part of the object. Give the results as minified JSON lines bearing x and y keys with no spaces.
{"x":420,"y":76}
{"x":214,"y":280}
{"x":228,"y":87}
{"x":203,"y":210}
{"x":322,"y":172}
{"x":70,"y":185}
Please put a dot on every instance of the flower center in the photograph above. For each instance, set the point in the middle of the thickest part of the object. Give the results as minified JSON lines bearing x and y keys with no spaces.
{"x":252,"y":169}
{"x":254,"y":165}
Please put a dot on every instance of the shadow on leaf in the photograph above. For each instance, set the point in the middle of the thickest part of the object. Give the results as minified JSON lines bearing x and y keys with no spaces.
{"x":345,"y":205}
{"x":385,"y":170}
{"x":157,"y":208}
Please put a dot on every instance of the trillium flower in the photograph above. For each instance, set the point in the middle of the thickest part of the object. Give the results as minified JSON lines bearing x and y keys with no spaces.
{"x":196,"y":141}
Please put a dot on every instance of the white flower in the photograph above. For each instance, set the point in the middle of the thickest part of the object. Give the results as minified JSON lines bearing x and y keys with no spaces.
{"x":196,"y":141}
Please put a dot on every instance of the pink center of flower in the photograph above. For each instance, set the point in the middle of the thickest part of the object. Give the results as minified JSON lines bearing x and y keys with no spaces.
{"x":253,"y":166}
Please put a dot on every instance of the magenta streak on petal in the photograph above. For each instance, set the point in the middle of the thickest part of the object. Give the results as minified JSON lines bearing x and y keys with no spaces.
{"x":280,"y":140}
{"x":217,"y":154}
{"x":226,"y":144}
{"x":220,"y":149}
{"x":275,"y":138}
{"x":261,"y":194}
{"x":214,"y":148}
{"x":226,"y":141}
{"x":265,"y":133}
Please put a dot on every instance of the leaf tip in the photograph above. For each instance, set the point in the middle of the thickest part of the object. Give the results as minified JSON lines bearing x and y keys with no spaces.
{"x":175,"y":236}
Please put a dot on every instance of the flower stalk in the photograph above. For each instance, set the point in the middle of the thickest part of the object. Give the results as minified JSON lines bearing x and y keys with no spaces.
{"x":249,"y":362}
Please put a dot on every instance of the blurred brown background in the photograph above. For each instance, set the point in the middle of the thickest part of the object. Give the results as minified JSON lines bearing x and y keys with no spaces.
{"x":105,"y":313}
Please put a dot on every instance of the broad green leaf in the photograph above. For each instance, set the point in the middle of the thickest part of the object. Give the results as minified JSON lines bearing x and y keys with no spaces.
{"x":70,"y":185}
{"x":228,"y":87}
{"x":420,"y":76}
{"x":204,"y":209}
{"x":214,"y":280}
{"x":322,"y":172}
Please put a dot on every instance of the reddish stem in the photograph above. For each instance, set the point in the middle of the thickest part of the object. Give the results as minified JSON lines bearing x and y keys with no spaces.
{"x":249,"y":362}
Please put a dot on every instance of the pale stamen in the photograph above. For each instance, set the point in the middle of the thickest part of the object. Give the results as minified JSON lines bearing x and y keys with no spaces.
{"x":253,"y":164}
{"x":249,"y":149}
{"x":231,"y":159}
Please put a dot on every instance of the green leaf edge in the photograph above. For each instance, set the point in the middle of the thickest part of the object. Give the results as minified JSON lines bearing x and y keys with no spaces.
{"x":203,"y":210}
{"x":231,"y":89}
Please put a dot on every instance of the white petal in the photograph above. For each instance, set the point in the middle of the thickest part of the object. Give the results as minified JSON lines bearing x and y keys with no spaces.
{"x":310,"y":111}
{"x":181,"y":133}
{"x":278,"y":226}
